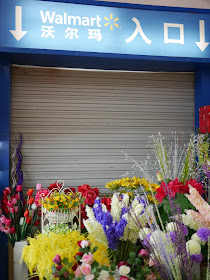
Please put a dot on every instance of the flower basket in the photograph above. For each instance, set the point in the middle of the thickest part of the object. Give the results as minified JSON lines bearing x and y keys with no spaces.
{"x":60,"y":216}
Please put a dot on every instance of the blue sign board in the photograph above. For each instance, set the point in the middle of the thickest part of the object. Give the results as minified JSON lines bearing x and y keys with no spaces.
{"x":87,"y":28}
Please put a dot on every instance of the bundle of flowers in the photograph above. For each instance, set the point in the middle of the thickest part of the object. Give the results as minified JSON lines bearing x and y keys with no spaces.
{"x":20,"y":217}
{"x":116,"y":229}
{"x":42,"y":249}
{"x":62,"y":201}
{"x":86,"y":266}
{"x":133,"y":184}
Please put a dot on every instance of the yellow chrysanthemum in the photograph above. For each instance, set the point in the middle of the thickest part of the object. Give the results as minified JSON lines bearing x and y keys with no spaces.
{"x":38,"y":255}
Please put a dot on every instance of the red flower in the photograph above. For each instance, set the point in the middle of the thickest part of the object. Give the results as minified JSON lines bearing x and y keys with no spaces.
{"x":78,"y":254}
{"x":37,"y":223}
{"x":28,"y":220}
{"x":5,"y":209}
{"x":165,"y":190}
{"x":26,"y":213}
{"x":124,"y":278}
{"x":90,"y":197}
{"x":7,"y":191}
{"x":83,"y":188}
{"x":31,"y":200}
{"x":19,"y":188}
{"x":4,"y":201}
{"x":123,"y":263}
{"x":30,"y":192}
{"x":12,"y":230}
{"x":39,"y":213}
{"x":107,"y":201}
{"x":54,"y":186}
{"x":96,"y":190}
{"x":196,"y":185}
{"x":69,"y":190}
{"x":74,"y":267}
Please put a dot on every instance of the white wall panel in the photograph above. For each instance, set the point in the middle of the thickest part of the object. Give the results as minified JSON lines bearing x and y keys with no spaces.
{"x":75,"y":123}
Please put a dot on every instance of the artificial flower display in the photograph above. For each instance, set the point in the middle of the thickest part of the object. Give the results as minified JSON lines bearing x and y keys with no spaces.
{"x":41,"y":252}
{"x":133,"y":184}
{"x":19,"y":217}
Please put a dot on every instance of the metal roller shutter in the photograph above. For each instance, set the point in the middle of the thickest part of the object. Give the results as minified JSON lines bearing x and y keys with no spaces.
{"x":75,"y":123}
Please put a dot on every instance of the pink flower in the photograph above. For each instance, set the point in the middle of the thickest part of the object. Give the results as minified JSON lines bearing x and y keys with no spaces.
{"x":12,"y":230}
{"x":151,"y":277}
{"x":124,"y":278}
{"x":1,"y":228}
{"x":86,"y":269}
{"x":8,"y":221}
{"x":19,"y":188}
{"x":78,"y":271}
{"x":39,"y":195}
{"x":87,"y":258}
{"x":8,"y":190}
{"x":90,"y":277}
{"x":14,"y":201}
{"x":57,"y":259}
{"x":58,"y":267}
{"x":84,"y":243}
{"x":151,"y":262}
{"x":3,"y":219}
{"x":7,"y":230}
{"x":143,"y":253}
{"x":12,"y":210}
{"x":9,"y":203}
{"x":38,"y":187}
{"x":17,"y":196}
{"x":16,"y":209}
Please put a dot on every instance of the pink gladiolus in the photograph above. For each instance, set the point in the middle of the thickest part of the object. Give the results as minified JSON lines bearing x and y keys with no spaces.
{"x":12,"y":210}
{"x":9,"y":203}
{"x":87,"y":258}
{"x":16,"y":209}
{"x":90,"y":277}
{"x":8,"y":221}
{"x":12,"y":230}
{"x":3,"y":219}
{"x":57,"y":259}
{"x":14,"y":201}
{"x":78,"y":271}
{"x":86,"y":269}
{"x":7,"y":230}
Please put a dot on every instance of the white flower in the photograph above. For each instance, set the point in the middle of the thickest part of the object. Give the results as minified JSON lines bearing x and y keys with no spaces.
{"x":116,"y":207}
{"x":104,"y":209}
{"x":126,"y":199}
{"x":124,"y":270}
{"x":143,"y":232}
{"x":103,"y":275}
{"x":34,"y":206}
{"x":193,"y":247}
{"x":21,"y":221}
{"x":158,"y":237}
{"x":171,"y":226}
{"x":196,"y":238}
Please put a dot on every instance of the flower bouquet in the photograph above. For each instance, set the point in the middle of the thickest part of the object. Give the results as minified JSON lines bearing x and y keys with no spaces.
{"x":19,"y":218}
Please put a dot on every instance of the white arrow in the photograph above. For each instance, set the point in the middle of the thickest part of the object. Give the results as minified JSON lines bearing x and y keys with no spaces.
{"x":18,"y":33}
{"x":202,"y":44}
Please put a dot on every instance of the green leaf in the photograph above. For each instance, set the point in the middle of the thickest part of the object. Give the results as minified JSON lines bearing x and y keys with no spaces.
{"x":130,"y":261}
{"x":65,"y":261}
{"x":94,"y":249}
{"x":132,"y":255}
{"x":138,"y":275}
{"x":84,"y":250}
{"x":78,"y":258}
{"x":138,"y":261}
{"x":113,"y":266}
{"x":104,"y":268}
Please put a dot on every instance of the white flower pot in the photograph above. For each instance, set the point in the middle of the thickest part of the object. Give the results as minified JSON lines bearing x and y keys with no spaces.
{"x":60,"y":217}
{"x":17,"y":270}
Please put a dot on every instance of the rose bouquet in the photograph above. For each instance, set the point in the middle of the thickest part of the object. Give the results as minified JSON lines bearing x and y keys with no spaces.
{"x":20,"y":217}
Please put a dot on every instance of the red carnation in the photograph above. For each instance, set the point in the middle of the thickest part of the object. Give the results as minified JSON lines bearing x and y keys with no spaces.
{"x":196,"y":185}
{"x":165,"y":190}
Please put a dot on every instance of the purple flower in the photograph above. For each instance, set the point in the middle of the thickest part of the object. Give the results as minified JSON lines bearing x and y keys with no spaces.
{"x":196,"y":258}
{"x":57,"y":259}
{"x":203,"y":233}
{"x":172,"y":236}
{"x":145,"y":241}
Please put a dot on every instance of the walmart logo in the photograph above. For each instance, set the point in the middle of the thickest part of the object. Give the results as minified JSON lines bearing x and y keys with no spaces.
{"x":111,"y":22}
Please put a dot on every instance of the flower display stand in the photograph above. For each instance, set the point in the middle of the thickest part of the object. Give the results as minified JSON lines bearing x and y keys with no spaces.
{"x":17,"y":269}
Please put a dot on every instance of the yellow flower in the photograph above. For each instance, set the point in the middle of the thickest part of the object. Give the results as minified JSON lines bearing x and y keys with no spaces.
{"x":41,"y":250}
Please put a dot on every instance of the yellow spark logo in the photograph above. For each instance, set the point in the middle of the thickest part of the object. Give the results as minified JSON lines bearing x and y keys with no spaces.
{"x":111,"y":21}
